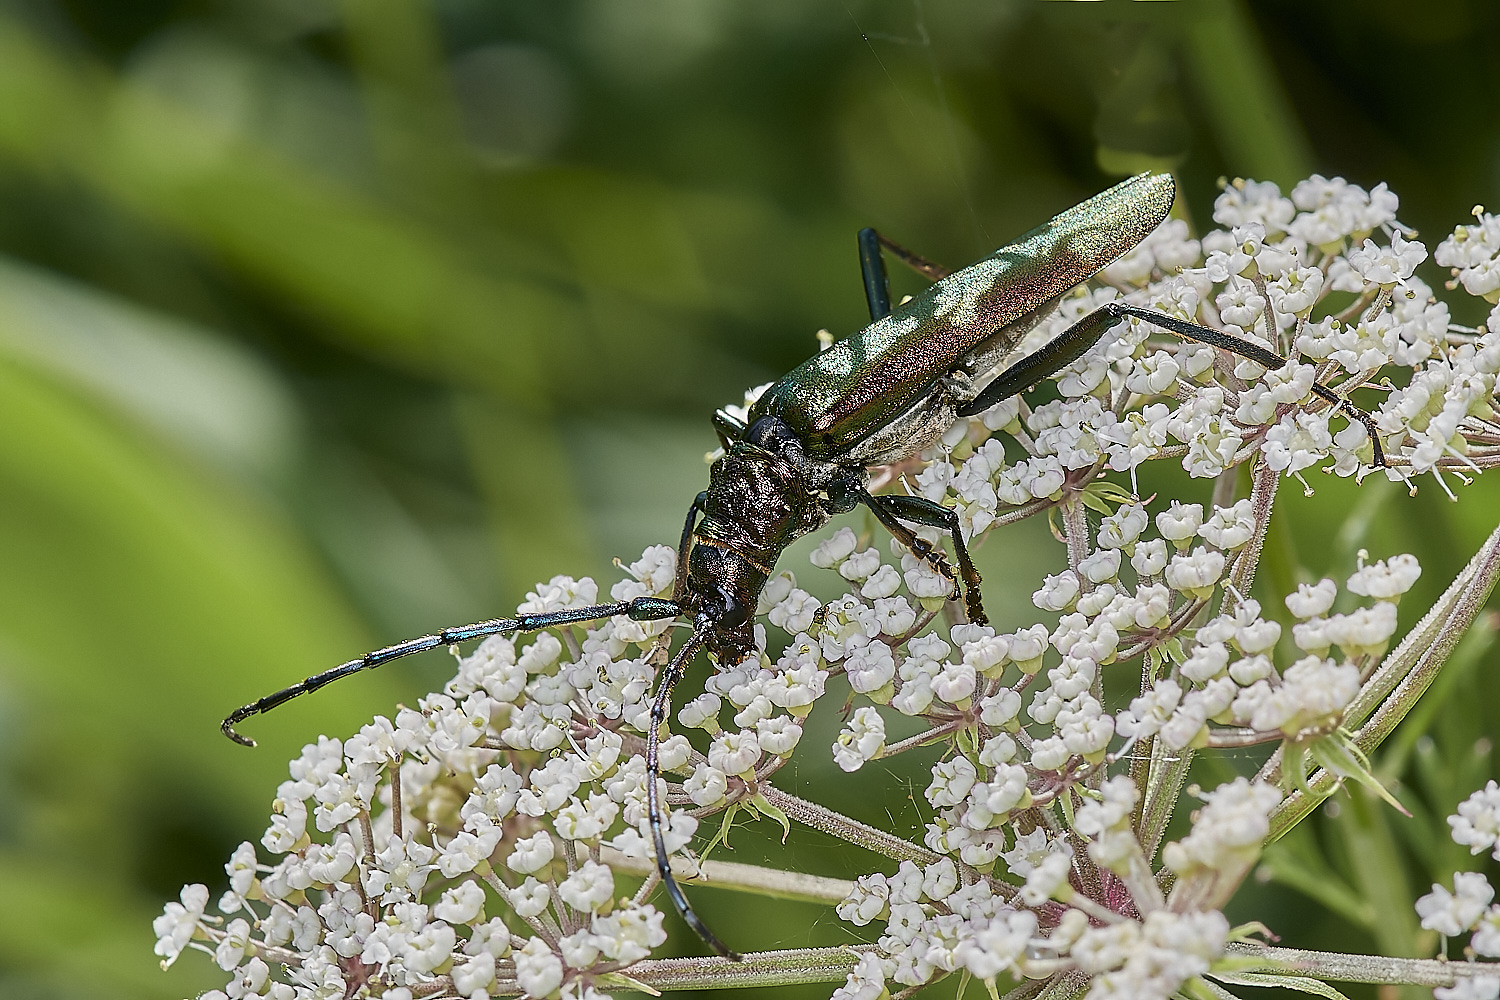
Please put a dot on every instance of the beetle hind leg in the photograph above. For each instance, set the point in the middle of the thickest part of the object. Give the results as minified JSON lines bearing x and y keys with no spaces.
{"x":1070,"y":345}
{"x":872,"y":266}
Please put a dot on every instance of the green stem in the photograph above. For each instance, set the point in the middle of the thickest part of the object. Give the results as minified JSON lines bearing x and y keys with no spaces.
{"x":1414,"y":664}
{"x":1076,"y":526}
{"x":1263,"y":483}
{"x":1357,"y":968}
{"x":849,"y":830}
{"x":771,"y":882}
{"x":1165,"y":776}
{"x":927,"y":736}
{"x":764,"y":968}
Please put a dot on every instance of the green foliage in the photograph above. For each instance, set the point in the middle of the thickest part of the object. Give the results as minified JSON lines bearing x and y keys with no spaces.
{"x":322,"y":325}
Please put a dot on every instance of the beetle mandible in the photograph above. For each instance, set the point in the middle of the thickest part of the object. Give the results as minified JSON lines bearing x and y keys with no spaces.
{"x":803,"y":451}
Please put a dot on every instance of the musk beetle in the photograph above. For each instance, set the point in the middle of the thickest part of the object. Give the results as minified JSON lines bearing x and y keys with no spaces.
{"x":803,"y":451}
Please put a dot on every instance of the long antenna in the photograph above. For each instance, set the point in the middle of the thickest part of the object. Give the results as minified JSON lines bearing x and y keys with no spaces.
{"x":659,"y":707}
{"x":640,"y":609}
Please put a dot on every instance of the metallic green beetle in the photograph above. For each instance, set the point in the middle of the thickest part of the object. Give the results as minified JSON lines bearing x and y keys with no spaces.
{"x":803,"y":452}
{"x":888,"y":391}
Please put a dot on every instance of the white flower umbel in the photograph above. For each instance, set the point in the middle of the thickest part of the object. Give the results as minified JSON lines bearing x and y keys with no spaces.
{"x":1469,"y":906}
{"x":487,"y":841}
{"x":1476,"y":825}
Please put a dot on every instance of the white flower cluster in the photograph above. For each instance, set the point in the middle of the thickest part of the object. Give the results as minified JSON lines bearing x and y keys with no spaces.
{"x":1469,"y":908}
{"x":1150,"y":960}
{"x":464,"y":849}
{"x":505,"y":792}
{"x":934,"y":927}
{"x":1234,"y":680}
{"x":937,"y":922}
{"x":1473,"y":252}
{"x":1027,"y":752}
{"x":1301,"y":275}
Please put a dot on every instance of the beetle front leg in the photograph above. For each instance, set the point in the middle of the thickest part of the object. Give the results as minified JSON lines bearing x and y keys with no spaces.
{"x":654,"y":812}
{"x":679,"y":586}
{"x":887,"y":508}
{"x":729,"y":429}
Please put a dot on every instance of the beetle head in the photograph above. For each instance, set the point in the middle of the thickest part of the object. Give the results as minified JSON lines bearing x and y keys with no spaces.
{"x":731,"y":631}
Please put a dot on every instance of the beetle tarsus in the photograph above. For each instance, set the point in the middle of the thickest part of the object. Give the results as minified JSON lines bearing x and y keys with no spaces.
{"x":1348,"y":409}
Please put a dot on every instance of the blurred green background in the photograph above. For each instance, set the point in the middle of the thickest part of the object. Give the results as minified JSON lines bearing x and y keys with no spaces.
{"x":323,"y":324}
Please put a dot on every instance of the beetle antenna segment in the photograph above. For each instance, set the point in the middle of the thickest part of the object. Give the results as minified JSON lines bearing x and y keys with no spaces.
{"x":640,"y":609}
{"x":659,"y":707}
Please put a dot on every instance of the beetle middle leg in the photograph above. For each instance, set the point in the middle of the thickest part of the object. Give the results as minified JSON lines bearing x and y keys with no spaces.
{"x":888,"y":507}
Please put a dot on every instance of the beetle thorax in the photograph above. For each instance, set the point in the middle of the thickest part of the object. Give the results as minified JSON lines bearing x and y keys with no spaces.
{"x":758,"y":502}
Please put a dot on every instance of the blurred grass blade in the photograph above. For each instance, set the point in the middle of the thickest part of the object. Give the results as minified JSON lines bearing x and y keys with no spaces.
{"x":399,"y":58}
{"x":1297,"y":861}
{"x":188,"y":385}
{"x":142,"y":596}
{"x":1254,"y":122}
{"x":1374,"y":860}
{"x":387,"y":285}
{"x":522,"y":470}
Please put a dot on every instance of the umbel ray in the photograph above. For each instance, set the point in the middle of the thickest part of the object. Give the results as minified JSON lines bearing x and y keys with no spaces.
{"x":803,"y":452}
